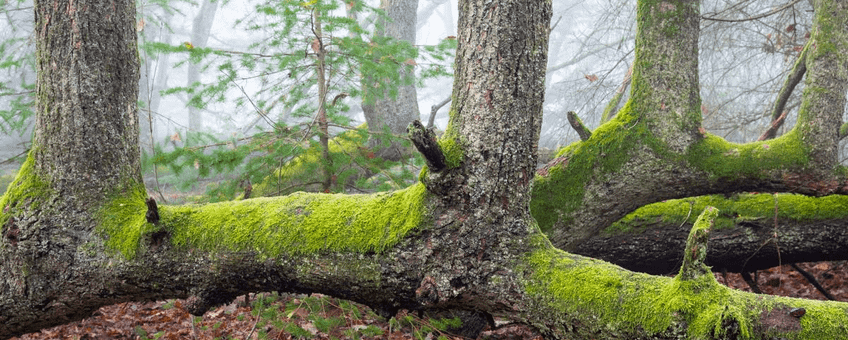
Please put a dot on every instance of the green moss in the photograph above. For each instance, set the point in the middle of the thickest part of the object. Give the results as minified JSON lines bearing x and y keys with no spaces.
{"x":451,"y":144}
{"x":737,"y":208}
{"x":828,"y":34}
{"x":27,"y":188}
{"x":602,"y":297}
{"x":123,"y":221}
{"x":561,"y":191}
{"x":299,"y":223}
{"x":727,"y":160}
{"x":423,"y":174}
{"x":305,"y":168}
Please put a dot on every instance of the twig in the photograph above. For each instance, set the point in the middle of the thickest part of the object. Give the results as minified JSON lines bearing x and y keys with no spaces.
{"x":776,"y":245}
{"x":435,"y":108}
{"x":751,"y":283}
{"x":812,"y":280}
{"x":258,"y":317}
{"x":759,"y":16}
{"x":691,"y":204}
{"x":14,"y":158}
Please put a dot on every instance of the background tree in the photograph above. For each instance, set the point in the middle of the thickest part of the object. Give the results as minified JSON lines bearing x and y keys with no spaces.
{"x":391,"y":109}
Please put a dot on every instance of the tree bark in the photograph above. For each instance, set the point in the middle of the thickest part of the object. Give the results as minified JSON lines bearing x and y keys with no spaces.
{"x":392,"y":115}
{"x":85,"y":149}
{"x":655,"y":149}
{"x":461,"y":239}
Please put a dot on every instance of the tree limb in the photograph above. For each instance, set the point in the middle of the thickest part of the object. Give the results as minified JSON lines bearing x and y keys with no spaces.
{"x":778,"y":112}
{"x":578,"y":126}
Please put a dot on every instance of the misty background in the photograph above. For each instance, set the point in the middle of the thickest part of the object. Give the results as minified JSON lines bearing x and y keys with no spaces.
{"x":184,"y":88}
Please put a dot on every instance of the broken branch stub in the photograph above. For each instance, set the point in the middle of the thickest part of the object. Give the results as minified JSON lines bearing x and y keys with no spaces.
{"x":425,"y":141}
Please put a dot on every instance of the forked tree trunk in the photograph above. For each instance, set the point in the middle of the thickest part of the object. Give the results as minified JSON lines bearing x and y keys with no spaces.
{"x":78,"y":233}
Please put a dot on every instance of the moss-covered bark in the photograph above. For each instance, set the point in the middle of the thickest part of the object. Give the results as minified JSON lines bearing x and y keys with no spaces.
{"x":462,"y":239}
{"x":654,"y":149}
{"x":752,"y":232}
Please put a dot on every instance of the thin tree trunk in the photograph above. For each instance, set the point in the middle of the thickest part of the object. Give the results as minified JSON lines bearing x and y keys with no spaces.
{"x":323,"y":124}
{"x":200,"y":31}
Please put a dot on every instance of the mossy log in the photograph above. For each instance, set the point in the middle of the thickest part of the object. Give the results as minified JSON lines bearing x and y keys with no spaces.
{"x":461,"y":239}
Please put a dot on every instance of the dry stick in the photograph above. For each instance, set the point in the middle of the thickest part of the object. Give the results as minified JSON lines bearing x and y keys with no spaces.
{"x":812,"y":279}
{"x":778,"y":112}
{"x":751,"y":283}
{"x":258,"y":317}
{"x":15,"y":158}
{"x":776,"y":245}
{"x":435,"y":108}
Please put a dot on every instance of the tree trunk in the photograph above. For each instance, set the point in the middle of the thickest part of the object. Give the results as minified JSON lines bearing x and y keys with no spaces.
{"x":461,"y":239}
{"x":655,"y":149}
{"x":392,"y":115}
{"x":200,"y":31}
{"x":85,"y":150}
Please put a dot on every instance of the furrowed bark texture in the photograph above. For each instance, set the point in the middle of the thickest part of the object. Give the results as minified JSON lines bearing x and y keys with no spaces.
{"x":85,"y":69}
{"x":654,"y":150}
{"x":462,"y":239}
{"x":85,"y":148}
{"x":750,"y":246}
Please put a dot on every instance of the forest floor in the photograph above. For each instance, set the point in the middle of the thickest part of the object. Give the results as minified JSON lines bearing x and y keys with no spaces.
{"x":285,"y":316}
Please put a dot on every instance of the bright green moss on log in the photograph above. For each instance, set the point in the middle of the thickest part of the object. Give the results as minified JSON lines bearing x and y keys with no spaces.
{"x":604,"y":299}
{"x":737,"y":208}
{"x":450,"y":142}
{"x":299,"y":223}
{"x":560,"y":191}
{"x":723,"y":159}
{"x":123,"y":221}
{"x":26,"y":188}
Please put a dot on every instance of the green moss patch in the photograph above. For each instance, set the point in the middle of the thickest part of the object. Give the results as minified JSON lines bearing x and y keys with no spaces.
{"x":27,"y":188}
{"x":298,"y":223}
{"x":602,"y":297}
{"x":723,"y":159}
{"x":561,"y":191}
{"x":123,"y":221}
{"x":451,"y":143}
{"x":737,"y":208}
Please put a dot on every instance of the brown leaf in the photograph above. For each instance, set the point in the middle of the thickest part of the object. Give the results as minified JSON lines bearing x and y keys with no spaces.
{"x":316,"y":45}
{"x":591,"y":77}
